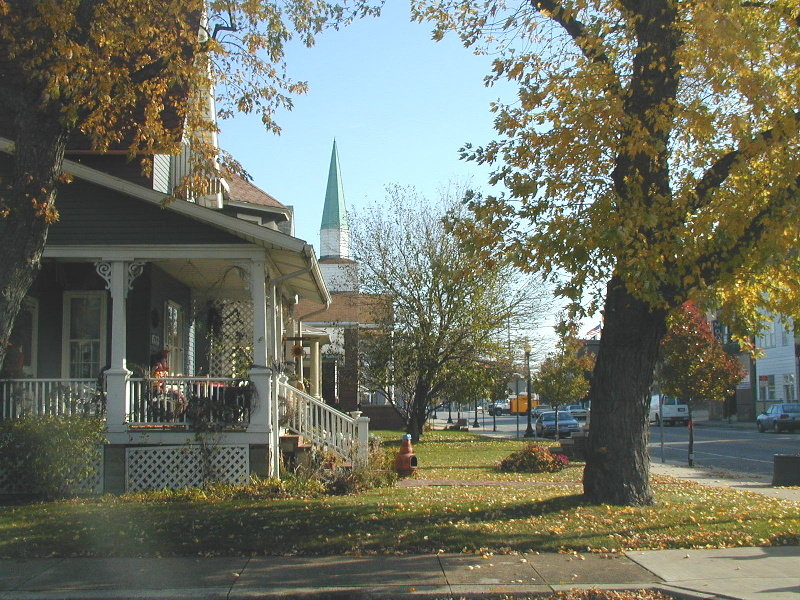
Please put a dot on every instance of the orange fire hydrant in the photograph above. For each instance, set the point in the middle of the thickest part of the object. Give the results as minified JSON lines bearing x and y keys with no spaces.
{"x":405,"y":463}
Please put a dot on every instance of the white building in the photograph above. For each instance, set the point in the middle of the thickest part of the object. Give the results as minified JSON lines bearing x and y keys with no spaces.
{"x":776,"y":371}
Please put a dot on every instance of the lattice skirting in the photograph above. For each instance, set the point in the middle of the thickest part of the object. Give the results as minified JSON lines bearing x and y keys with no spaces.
{"x":91,"y":485}
{"x":175,"y":467}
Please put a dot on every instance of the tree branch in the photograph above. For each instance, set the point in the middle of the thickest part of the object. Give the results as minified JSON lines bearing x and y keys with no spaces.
{"x":720,"y":261}
{"x":716,"y":175}
{"x":591,"y":45}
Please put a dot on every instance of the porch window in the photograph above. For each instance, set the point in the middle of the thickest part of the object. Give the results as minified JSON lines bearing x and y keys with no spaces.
{"x":174,"y":338}
{"x":22,"y":351}
{"x":84,"y":337}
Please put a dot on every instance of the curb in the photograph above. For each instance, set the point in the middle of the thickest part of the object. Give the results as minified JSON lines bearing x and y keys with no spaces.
{"x":348,"y":594}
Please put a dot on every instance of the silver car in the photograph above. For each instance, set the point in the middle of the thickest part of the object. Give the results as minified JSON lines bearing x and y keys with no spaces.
{"x":546,"y":424}
{"x":779,"y":417}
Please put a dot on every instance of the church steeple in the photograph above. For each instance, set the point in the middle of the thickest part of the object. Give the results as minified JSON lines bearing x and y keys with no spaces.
{"x":334,"y":232}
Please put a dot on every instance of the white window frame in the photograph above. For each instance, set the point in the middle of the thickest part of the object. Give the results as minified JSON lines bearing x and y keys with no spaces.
{"x":181,"y":333}
{"x":32,"y":305}
{"x":66,"y":322}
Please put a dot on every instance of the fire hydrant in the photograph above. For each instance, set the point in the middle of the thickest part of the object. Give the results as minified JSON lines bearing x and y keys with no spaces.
{"x":405,"y":463}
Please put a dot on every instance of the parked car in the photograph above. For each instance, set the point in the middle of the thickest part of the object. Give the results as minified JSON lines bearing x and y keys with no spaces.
{"x":779,"y":417}
{"x":499,"y":407}
{"x":672,"y":412}
{"x":546,"y":424}
{"x":579,"y":411}
{"x":537,"y":410}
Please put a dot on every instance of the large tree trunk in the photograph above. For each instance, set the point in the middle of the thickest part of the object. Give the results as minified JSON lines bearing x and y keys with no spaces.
{"x":617,"y":467}
{"x":419,"y":410}
{"x":30,"y":200}
{"x":691,"y":434}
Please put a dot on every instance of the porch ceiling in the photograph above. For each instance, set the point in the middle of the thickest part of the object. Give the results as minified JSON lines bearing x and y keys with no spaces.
{"x":216,"y":277}
{"x":209,"y":278}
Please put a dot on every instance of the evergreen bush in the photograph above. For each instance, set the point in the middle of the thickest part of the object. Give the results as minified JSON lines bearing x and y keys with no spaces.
{"x":51,"y":456}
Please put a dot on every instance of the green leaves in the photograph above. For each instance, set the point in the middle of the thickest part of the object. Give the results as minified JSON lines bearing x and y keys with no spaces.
{"x":51,"y":456}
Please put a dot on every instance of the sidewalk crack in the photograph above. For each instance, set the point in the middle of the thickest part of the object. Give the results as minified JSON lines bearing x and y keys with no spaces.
{"x":444,"y":574}
{"x":55,"y":562}
{"x":237,"y":579}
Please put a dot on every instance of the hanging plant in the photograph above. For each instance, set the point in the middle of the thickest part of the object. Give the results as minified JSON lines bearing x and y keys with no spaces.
{"x":213,"y":320}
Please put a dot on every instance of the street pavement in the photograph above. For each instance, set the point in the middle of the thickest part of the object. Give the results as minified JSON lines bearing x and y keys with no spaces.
{"x":771,"y":573}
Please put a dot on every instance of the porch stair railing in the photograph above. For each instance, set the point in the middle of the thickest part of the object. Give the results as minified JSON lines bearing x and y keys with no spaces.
{"x":37,"y":397}
{"x":323,"y":425}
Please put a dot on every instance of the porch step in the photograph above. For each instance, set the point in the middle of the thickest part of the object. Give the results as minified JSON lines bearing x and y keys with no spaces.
{"x":292,"y":443}
{"x":295,"y":450}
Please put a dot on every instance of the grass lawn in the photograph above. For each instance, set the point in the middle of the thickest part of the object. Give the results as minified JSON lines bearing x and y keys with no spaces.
{"x":494,"y":513}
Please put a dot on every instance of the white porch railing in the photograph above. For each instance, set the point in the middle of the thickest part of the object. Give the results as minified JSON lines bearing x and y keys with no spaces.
{"x":190,"y":402}
{"x":322,"y":424}
{"x":19,"y":397}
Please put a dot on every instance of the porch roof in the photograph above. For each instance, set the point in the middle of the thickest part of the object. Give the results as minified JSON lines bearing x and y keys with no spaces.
{"x":290,"y":259}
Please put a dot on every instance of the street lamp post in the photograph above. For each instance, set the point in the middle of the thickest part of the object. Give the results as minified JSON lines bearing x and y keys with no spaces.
{"x":529,"y":429}
{"x":475,"y":423}
{"x":449,"y":412}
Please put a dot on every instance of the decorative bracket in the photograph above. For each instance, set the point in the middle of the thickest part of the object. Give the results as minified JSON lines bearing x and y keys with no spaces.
{"x":105,"y":269}
{"x":134,"y":270}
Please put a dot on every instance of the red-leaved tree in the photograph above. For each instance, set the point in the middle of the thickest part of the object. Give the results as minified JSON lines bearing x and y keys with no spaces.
{"x":694,"y":365}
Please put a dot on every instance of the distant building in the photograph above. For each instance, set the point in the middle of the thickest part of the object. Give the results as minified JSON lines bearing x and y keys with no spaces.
{"x":349,"y":316}
{"x":774,"y":374}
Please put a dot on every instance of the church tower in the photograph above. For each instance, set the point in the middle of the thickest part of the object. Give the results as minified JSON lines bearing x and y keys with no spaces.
{"x":338,"y":270}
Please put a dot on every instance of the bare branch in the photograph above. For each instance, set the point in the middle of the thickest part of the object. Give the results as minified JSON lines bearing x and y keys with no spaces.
{"x":591,"y":45}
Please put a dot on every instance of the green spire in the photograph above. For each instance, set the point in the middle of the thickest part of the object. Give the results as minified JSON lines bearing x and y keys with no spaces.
{"x":334,"y":214}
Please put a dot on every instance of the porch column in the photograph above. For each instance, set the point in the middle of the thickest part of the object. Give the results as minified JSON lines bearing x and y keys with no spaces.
{"x":119,"y":276}
{"x":261,"y":411}
{"x":314,"y":369}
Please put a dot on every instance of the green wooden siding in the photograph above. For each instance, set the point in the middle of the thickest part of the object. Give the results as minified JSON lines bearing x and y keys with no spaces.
{"x":92,"y":215}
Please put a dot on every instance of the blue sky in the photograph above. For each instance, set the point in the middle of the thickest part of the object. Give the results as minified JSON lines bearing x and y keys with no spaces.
{"x":399,"y":105}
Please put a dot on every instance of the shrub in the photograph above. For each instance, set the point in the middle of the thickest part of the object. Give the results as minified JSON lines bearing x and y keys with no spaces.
{"x":340,"y":478}
{"x":51,"y":456}
{"x":533,"y":459}
{"x":259,"y":488}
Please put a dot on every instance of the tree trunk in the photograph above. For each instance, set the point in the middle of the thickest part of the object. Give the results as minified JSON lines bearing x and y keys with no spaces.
{"x":419,"y":410}
{"x":691,"y":434}
{"x":30,"y":200}
{"x":617,"y":466}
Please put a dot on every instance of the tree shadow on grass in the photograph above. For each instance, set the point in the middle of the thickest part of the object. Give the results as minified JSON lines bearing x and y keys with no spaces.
{"x":237,"y":529}
{"x":20,"y":499}
{"x":373,"y":523}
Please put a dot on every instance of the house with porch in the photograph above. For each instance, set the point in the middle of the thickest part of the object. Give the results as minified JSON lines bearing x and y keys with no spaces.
{"x":171,"y":320}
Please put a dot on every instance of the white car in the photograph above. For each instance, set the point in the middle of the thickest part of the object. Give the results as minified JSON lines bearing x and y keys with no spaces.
{"x":578,"y":411}
{"x":500,"y":407}
{"x":672,"y":411}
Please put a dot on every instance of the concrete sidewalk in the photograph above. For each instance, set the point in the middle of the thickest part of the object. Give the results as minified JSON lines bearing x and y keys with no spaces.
{"x":744,"y":573}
